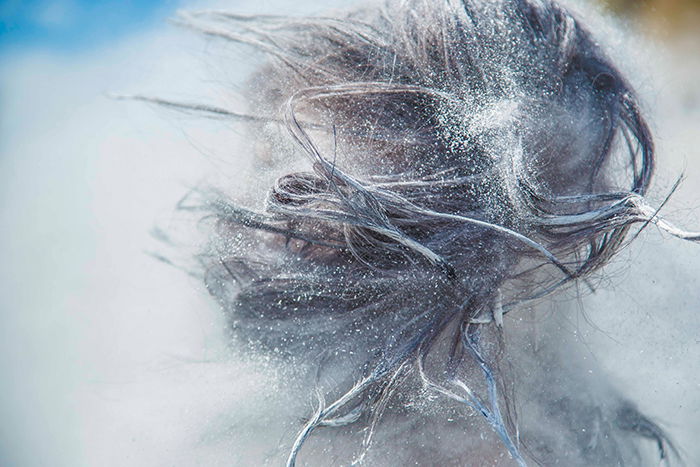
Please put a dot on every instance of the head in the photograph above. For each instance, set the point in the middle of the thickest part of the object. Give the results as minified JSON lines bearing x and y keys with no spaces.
{"x":464,"y":159}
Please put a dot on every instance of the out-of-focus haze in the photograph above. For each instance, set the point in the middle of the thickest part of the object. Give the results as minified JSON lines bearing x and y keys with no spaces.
{"x":109,"y":357}
{"x":674,"y":17}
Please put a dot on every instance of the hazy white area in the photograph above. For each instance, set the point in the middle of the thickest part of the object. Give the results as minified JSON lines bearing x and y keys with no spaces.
{"x":109,"y":357}
{"x":648,"y":308}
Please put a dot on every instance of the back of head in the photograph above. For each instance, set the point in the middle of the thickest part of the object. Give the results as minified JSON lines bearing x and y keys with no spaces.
{"x":466,"y":158}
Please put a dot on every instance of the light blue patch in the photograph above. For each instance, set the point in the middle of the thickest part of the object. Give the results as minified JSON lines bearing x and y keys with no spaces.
{"x":75,"y":25}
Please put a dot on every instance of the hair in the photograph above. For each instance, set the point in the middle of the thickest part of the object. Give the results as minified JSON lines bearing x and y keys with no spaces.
{"x":466,"y":157}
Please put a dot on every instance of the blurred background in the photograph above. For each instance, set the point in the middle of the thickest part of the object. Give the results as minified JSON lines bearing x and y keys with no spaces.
{"x":109,"y":357}
{"x":660,"y":16}
{"x":72,"y":25}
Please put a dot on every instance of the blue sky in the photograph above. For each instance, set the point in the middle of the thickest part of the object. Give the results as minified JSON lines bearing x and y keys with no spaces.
{"x":74,"y":25}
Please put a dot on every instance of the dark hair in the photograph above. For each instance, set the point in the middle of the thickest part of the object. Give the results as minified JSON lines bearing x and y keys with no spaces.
{"x":466,"y":156}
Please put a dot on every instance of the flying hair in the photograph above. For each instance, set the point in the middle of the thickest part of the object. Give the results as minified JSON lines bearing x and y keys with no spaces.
{"x":465,"y":158}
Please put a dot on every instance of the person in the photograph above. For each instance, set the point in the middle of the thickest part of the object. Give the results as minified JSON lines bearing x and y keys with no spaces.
{"x":466,"y":160}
